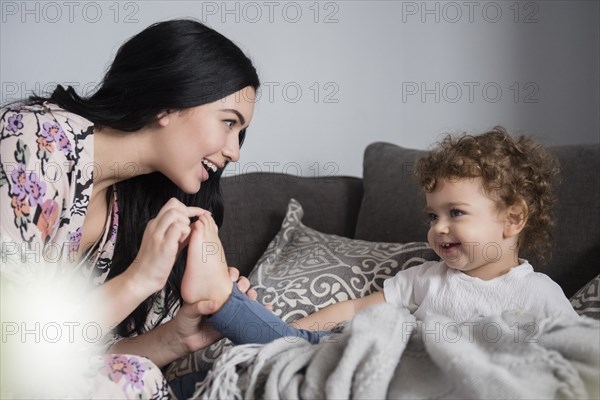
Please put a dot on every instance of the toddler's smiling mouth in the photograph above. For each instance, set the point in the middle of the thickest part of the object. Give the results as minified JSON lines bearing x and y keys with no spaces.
{"x":449,"y":246}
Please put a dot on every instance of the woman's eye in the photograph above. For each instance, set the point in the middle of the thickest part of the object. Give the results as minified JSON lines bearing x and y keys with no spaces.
{"x":230,"y":123}
{"x":456,"y":213}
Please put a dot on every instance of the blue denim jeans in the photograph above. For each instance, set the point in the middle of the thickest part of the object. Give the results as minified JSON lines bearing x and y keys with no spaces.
{"x":244,"y":321}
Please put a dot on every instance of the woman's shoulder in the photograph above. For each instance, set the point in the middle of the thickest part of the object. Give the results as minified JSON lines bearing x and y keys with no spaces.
{"x":24,"y":110}
{"x":46,"y":167}
{"x":45,"y":128}
{"x":72,"y":119}
{"x":15,"y":117}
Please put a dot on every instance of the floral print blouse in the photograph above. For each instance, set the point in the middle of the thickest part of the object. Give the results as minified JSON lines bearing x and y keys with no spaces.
{"x":46,"y":181}
{"x":46,"y":175}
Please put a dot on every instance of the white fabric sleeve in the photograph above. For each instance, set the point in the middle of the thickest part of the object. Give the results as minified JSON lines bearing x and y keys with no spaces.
{"x":399,"y":290}
{"x":551,"y":295}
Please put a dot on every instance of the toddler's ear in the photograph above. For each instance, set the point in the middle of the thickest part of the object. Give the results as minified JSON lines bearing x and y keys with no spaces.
{"x":516,"y":217}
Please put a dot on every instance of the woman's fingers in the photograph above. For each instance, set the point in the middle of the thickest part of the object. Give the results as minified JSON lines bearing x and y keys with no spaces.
{"x":164,"y":236}
{"x":175,"y":204}
{"x":176,"y":212}
{"x":177,"y":232}
{"x":195,"y":226}
{"x":207,"y":222}
{"x":163,"y":222}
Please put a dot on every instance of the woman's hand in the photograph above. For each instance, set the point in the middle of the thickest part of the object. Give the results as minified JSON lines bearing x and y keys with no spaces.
{"x":183,"y":334}
{"x":193,"y":331}
{"x":163,"y":238}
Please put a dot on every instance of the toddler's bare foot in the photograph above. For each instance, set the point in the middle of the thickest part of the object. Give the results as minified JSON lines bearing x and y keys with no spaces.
{"x":206,"y":276}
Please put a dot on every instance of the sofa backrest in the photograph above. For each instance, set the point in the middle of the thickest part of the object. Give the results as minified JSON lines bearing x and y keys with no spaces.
{"x":392,"y":208}
{"x":255,"y":205}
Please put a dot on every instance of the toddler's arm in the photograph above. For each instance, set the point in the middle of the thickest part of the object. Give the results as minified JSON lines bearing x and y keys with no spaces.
{"x":327,"y":318}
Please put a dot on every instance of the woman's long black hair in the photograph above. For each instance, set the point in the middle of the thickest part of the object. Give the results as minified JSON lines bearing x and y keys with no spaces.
{"x":170,"y":65}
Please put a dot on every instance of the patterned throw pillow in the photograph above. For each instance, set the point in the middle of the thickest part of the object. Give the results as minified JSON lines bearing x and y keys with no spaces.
{"x":304,"y":270}
{"x":587,"y":300}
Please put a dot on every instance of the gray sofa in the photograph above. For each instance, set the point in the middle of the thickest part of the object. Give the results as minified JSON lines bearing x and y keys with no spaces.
{"x":386,"y":206}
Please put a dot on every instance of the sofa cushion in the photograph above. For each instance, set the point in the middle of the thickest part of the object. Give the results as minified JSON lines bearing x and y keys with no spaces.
{"x":255,"y":205}
{"x":392,"y":208}
{"x":393,"y":203}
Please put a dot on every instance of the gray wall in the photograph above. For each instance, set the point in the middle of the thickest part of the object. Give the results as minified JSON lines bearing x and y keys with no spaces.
{"x":339,"y":75}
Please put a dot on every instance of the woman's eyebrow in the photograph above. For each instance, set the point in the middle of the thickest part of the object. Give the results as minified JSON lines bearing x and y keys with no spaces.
{"x":236,"y":112}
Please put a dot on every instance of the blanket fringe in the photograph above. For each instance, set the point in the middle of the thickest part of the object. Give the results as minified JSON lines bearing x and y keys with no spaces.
{"x":222,"y":380}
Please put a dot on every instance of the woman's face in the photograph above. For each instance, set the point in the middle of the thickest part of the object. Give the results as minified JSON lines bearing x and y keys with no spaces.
{"x":195,"y":142}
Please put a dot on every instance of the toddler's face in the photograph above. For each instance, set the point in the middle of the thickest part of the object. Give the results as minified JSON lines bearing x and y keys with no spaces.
{"x":467,"y":229}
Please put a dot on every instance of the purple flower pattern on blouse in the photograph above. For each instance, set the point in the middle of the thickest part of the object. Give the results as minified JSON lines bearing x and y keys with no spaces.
{"x":53,"y":133}
{"x":74,"y":240}
{"x":27,"y":185}
{"x":117,"y":367}
{"x":14,"y":122}
{"x":35,"y":188}
{"x":134,"y":373}
{"x":19,"y":180}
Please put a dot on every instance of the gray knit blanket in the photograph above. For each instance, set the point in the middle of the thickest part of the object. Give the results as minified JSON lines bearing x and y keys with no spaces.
{"x":385,"y":354}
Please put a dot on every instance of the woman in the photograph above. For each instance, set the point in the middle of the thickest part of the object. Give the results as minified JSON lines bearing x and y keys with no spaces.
{"x":113,"y":180}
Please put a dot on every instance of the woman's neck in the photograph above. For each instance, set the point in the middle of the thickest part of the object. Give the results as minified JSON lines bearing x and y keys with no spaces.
{"x":120,"y":155}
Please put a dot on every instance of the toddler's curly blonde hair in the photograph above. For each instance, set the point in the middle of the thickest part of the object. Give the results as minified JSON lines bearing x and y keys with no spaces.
{"x":514,"y":171}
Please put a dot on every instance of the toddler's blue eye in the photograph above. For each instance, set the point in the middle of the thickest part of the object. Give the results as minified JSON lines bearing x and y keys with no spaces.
{"x":432,"y":217}
{"x":455,"y":213}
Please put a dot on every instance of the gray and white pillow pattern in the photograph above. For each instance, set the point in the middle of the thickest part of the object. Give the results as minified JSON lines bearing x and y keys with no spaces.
{"x":587,"y":299}
{"x":304,"y":270}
